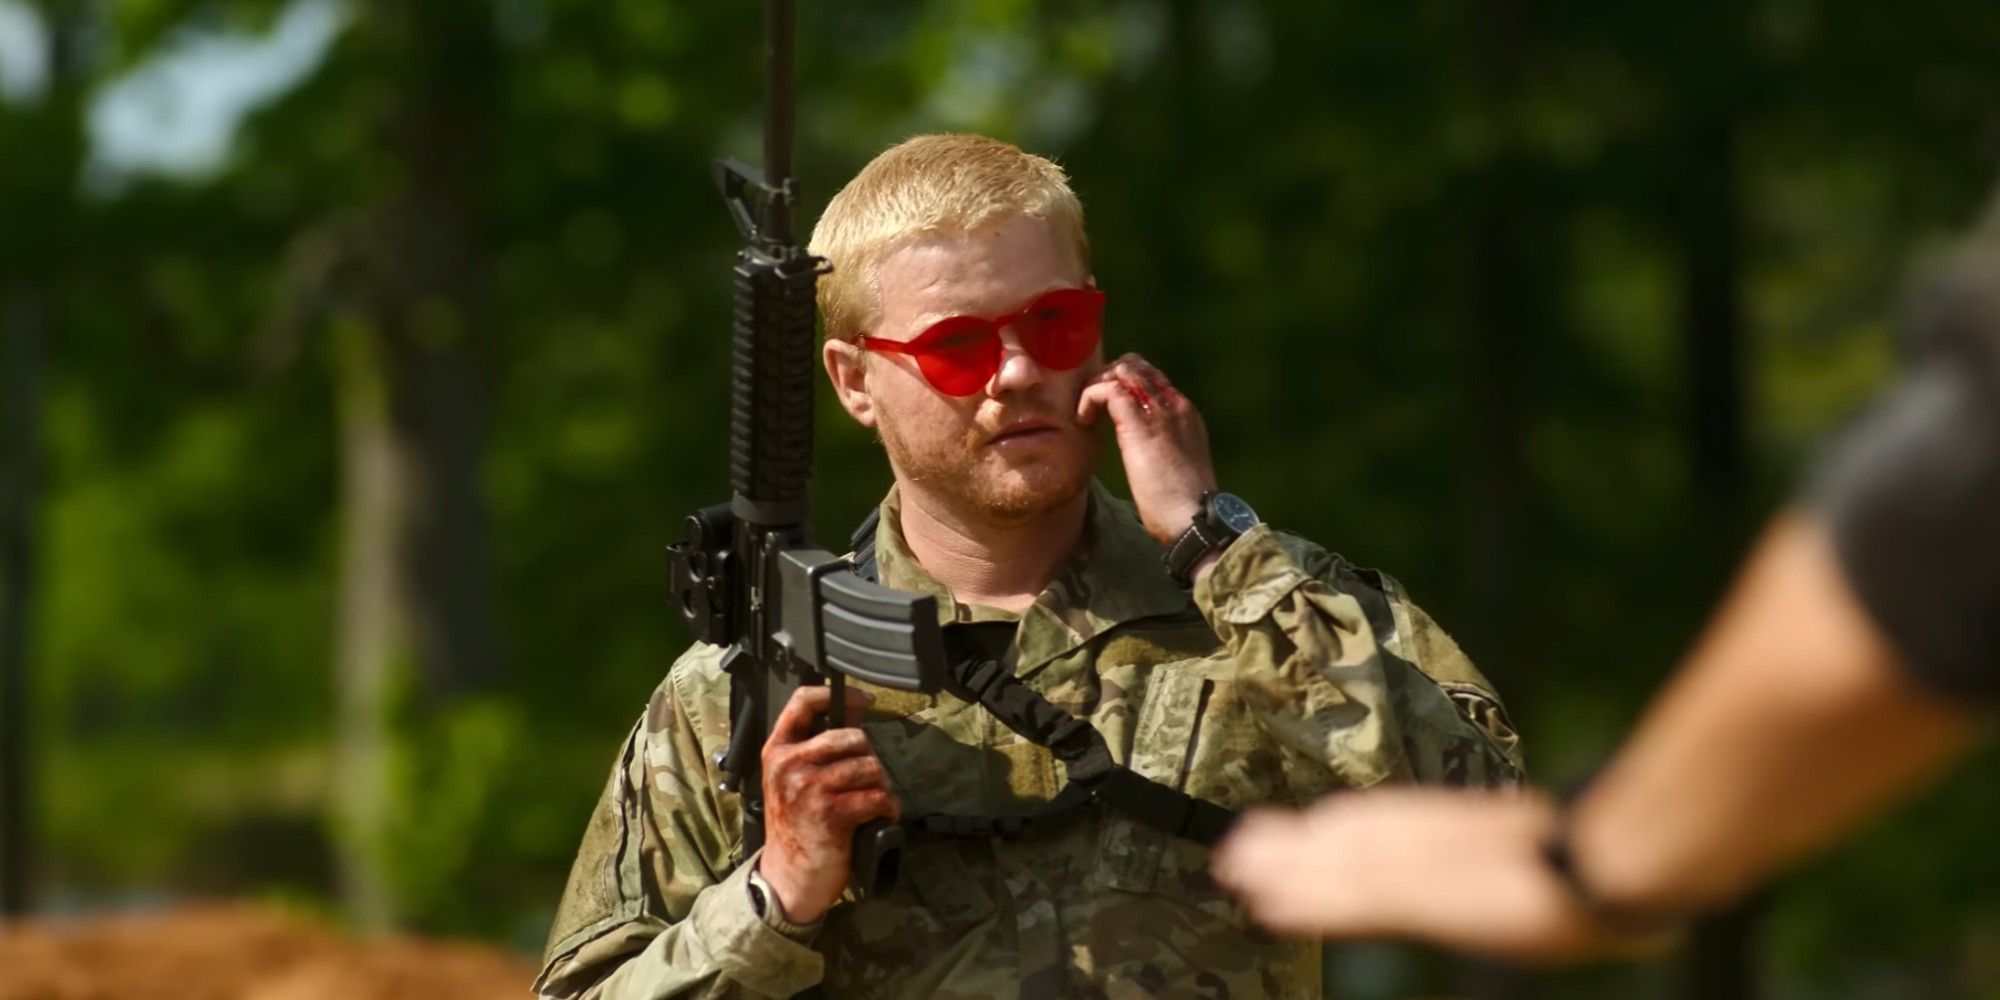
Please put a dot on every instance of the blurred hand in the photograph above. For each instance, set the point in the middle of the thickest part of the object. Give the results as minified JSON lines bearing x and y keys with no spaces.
{"x":817,"y":789}
{"x":1162,"y":439}
{"x":1459,"y":870}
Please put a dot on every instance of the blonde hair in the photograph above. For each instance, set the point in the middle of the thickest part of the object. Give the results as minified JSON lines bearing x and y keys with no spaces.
{"x":924,"y":185}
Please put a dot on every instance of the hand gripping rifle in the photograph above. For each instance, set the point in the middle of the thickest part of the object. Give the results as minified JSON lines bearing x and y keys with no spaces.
{"x":745,"y":575}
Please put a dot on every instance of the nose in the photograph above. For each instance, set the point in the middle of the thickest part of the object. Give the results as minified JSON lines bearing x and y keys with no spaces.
{"x":1018,"y":369}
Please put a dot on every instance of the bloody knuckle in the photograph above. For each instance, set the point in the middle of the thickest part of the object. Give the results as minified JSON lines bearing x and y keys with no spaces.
{"x":799,"y":783}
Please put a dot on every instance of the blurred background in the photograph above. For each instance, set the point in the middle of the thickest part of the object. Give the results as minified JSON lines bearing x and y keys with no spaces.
{"x":361,"y":357}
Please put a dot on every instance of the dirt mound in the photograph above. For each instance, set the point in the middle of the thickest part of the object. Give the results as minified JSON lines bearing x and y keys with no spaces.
{"x":229,"y":952}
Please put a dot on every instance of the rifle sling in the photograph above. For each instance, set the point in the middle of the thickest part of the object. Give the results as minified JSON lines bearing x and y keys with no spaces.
{"x":978,"y":671}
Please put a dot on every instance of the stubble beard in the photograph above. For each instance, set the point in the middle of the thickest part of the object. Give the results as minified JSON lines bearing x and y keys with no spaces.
{"x":967,"y":476}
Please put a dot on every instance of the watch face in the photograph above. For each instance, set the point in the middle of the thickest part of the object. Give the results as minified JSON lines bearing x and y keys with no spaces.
{"x":1233,"y":512}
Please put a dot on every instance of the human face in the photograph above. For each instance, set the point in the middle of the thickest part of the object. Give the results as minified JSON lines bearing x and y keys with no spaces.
{"x":1013,"y":449}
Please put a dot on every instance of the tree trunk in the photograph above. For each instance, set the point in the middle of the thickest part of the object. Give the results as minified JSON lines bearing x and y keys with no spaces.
{"x":1712,"y":316}
{"x":433,"y":313}
{"x":40,"y":231}
{"x":437,"y":321}
{"x":1498,"y":335}
{"x":1720,"y":959}
{"x":415,"y":588}
{"x":372,"y":631}
{"x":1713,"y":62}
{"x":20,"y":461}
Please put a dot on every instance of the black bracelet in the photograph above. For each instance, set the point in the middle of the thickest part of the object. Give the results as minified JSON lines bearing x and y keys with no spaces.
{"x":1560,"y":859}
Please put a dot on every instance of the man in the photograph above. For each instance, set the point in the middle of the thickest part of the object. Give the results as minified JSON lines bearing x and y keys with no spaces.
{"x":962,"y":327}
{"x":1859,"y":656}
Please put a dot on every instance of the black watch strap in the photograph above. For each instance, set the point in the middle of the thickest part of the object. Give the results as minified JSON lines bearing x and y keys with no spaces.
{"x":1202,"y":536}
{"x":1560,"y":859}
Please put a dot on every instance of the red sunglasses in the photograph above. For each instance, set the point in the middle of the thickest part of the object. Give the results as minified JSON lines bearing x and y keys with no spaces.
{"x":959,"y":354}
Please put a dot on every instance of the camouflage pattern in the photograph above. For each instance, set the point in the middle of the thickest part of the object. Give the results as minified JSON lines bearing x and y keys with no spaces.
{"x":1286,"y":675}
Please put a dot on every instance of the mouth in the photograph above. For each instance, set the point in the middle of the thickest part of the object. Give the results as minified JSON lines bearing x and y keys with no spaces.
{"x":1024,"y":431}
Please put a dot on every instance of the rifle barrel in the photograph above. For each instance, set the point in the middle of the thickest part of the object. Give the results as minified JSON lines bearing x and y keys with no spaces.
{"x":778,"y":16}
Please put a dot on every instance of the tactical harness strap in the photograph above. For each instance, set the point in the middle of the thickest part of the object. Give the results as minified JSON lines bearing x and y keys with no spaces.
{"x":1094,"y":776}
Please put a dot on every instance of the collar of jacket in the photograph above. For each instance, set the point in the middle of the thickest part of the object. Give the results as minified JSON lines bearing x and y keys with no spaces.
{"x":1115,"y":576}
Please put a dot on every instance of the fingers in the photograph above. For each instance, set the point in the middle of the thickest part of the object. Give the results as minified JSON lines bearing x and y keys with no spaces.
{"x":832,"y":777}
{"x":1139,"y":381}
{"x":795,"y":722}
{"x":801,"y":765}
{"x":1135,"y":385}
{"x":798,"y":778}
{"x":1153,"y":381}
{"x":854,"y":774}
{"x":826,"y":776}
{"x":1109,"y":395}
{"x":1147,"y":379}
{"x":1274,"y":863}
{"x":827,"y":747}
{"x":1130,"y":380}
{"x":1161,"y":437}
{"x":851,"y":809}
{"x":1242,"y":862}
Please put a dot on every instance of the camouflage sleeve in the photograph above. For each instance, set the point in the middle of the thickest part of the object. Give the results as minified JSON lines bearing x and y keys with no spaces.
{"x":653,"y":908}
{"x":1436,"y":666}
{"x":1318,"y":656}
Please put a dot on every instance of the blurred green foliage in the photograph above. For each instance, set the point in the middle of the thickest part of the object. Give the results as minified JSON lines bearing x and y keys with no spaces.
{"x":1345,"y":228}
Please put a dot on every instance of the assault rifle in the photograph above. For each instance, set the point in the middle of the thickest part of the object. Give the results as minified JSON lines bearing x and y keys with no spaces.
{"x":745,"y":574}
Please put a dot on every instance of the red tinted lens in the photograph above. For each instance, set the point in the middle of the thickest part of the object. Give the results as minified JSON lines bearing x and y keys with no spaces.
{"x":1060,"y":331}
{"x":958,"y":354}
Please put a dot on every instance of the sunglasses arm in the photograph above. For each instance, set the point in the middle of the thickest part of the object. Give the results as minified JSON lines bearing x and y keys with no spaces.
{"x":884,"y":345}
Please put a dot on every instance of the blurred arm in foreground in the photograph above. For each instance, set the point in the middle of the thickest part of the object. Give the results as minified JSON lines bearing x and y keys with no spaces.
{"x":1852,"y":663}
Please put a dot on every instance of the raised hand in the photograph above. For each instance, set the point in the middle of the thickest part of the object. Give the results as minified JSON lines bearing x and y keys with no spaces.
{"x":1162,"y":439}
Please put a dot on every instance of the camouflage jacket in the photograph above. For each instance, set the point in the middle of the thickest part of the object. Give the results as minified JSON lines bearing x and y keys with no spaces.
{"x":1285,"y":675}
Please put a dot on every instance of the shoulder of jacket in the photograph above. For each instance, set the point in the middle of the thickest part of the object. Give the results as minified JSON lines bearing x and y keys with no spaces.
{"x":694,"y":686}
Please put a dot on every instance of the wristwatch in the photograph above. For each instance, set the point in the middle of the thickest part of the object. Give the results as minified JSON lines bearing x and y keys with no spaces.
{"x":1221,"y":518}
{"x":765,"y":902}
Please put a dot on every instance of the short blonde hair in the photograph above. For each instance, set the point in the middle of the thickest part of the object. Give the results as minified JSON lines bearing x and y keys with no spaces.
{"x":923,"y":185}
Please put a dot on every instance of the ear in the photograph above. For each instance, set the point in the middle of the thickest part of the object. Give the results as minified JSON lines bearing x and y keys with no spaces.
{"x":847,"y":369}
